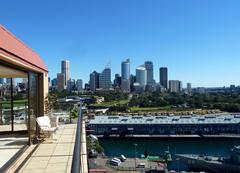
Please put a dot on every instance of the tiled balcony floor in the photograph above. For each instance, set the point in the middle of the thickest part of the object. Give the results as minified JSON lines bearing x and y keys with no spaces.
{"x":53,"y":156}
{"x":10,"y":145}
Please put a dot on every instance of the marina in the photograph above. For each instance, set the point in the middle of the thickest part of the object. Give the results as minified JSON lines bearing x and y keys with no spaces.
{"x":215,"y":147}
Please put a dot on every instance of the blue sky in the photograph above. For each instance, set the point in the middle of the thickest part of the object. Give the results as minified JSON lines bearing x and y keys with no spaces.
{"x":198,"y":40}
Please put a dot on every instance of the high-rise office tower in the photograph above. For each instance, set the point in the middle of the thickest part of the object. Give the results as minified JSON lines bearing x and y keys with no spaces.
{"x":79,"y":85}
{"x":105,"y":79}
{"x":175,"y":86}
{"x":163,"y":73}
{"x":117,"y":81}
{"x":141,"y":76}
{"x":125,"y":80}
{"x":65,"y":69}
{"x":189,"y":87}
{"x":94,"y":81}
{"x":54,"y":82}
{"x":61,"y":82}
{"x":149,"y":68}
{"x":71,"y":85}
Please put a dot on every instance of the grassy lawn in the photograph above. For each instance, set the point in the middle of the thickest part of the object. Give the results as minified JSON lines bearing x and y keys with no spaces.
{"x":7,"y":104}
{"x":112,"y":103}
{"x":149,"y":109}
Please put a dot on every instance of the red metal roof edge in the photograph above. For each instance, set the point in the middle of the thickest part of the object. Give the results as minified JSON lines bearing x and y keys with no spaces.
{"x":43,"y":67}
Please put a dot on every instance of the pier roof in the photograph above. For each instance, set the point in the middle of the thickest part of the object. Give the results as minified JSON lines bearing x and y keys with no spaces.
{"x":149,"y":119}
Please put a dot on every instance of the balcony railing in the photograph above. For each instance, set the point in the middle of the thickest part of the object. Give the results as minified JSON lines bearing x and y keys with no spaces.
{"x":76,"y":161}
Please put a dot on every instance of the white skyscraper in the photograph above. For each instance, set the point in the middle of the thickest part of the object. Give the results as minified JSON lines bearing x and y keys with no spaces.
{"x":141,"y":76}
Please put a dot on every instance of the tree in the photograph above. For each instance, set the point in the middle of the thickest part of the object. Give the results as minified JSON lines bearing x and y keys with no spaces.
{"x":51,"y":103}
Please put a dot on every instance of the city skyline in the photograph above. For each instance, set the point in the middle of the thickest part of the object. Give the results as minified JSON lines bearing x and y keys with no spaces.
{"x":197,"y":41}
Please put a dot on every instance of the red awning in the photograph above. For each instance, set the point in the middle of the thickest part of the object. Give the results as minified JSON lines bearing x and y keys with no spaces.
{"x":11,"y":45}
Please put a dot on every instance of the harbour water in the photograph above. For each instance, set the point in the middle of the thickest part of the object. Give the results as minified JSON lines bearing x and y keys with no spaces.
{"x":204,"y":146}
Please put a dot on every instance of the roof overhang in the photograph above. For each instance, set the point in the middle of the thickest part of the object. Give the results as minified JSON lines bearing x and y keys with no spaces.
{"x":14,"y":51}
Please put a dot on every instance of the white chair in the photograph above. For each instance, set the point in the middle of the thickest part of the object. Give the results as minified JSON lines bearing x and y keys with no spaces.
{"x":45,"y":126}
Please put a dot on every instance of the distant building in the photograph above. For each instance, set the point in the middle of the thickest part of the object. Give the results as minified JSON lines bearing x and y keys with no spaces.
{"x":132,"y":81}
{"x":149,"y":68}
{"x":163,"y":73}
{"x":8,"y":81}
{"x":189,"y":87}
{"x":65,"y":69}
{"x":175,"y":86}
{"x":71,"y":85}
{"x":49,"y":82}
{"x":86,"y":87}
{"x":94,"y":81}
{"x":125,"y":82}
{"x":117,"y":81}
{"x":79,"y":85}
{"x":1,"y":81}
{"x":54,"y":82}
{"x":61,"y":82}
{"x":141,"y":77}
{"x":200,"y":90}
{"x":105,"y":79}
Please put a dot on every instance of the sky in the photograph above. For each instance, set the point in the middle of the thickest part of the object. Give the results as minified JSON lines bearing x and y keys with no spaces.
{"x":198,"y":40}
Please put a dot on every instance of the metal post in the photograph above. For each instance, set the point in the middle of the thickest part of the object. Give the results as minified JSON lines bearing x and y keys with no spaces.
{"x":12,"y":117}
{"x":135,"y":147}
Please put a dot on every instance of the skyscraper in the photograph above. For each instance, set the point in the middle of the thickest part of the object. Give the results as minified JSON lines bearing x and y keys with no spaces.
{"x":149,"y":68}
{"x":79,"y":85}
{"x":65,"y":69}
{"x":125,"y":80}
{"x":163,"y":73}
{"x":105,"y":79}
{"x":71,"y":85}
{"x":175,"y":86}
{"x":141,"y":76}
{"x":189,"y":87}
{"x":61,"y":82}
{"x":94,"y":81}
{"x":117,"y":81}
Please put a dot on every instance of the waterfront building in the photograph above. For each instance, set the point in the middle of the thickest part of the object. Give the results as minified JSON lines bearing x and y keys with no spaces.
{"x":61,"y":82}
{"x":125,"y":82}
{"x":94,"y":81}
{"x":79,"y":85}
{"x":105,"y":79}
{"x":65,"y":69}
{"x":175,"y":86}
{"x":165,"y":125}
{"x":163,"y":73}
{"x":149,"y":68}
{"x":141,"y":77}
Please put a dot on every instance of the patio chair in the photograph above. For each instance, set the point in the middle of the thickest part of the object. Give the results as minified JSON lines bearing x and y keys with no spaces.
{"x":45,"y":126}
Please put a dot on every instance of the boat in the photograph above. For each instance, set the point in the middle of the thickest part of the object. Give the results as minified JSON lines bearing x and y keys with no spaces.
{"x":163,"y":158}
{"x":211,"y":163}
